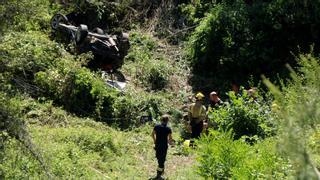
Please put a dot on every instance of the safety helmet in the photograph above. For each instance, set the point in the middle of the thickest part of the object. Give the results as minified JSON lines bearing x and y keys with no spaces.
{"x":213,"y":93}
{"x":199,"y":96}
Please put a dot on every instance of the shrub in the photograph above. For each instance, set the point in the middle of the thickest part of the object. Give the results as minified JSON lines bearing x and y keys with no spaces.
{"x":244,"y":116}
{"x":78,"y":90}
{"x":221,"y":157}
{"x":110,"y":16}
{"x":298,"y":116}
{"x":236,"y":40}
{"x":158,"y":78}
{"x":23,"y":15}
{"x":314,"y":148}
{"x":40,"y":67}
{"x":23,"y":54}
{"x":129,"y":109}
{"x":196,"y":10}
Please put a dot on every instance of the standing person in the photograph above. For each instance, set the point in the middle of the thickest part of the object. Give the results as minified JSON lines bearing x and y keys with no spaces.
{"x":197,"y":115}
{"x":252,"y":93}
{"x":161,"y":135}
{"x":235,"y":88}
{"x":215,"y":101}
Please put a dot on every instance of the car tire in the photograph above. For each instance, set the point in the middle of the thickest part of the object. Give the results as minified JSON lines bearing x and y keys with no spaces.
{"x":81,"y":34}
{"x":98,"y":31}
{"x":124,"y":44}
{"x":57,"y":19}
{"x":125,"y":36}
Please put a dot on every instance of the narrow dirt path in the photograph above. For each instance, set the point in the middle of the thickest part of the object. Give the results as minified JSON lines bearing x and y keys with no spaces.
{"x":176,"y":166}
{"x":181,"y":167}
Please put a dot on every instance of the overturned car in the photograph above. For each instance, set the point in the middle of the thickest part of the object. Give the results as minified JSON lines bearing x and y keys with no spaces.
{"x":108,"y":50}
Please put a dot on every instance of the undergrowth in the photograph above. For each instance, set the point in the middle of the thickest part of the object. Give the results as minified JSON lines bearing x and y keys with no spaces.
{"x":221,"y":157}
{"x":58,"y":119}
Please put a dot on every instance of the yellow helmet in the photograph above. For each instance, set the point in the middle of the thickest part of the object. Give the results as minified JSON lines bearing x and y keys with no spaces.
{"x":199,"y":96}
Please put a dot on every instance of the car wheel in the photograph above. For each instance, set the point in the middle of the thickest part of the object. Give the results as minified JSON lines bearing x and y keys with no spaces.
{"x":81,"y":33}
{"x":57,"y":19}
{"x":124,"y":44}
{"x":98,"y":31}
{"x":125,"y":36}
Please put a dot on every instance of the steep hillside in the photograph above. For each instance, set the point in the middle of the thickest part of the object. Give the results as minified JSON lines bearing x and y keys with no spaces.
{"x":56,"y":100}
{"x":59,"y":119}
{"x":73,"y":147}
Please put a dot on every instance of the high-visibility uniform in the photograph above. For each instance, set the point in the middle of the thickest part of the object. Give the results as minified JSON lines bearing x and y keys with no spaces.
{"x":197,"y":114}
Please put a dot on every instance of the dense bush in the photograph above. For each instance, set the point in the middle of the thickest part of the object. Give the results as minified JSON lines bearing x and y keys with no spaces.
{"x":23,"y":15}
{"x":111,"y":16}
{"x":129,"y":109}
{"x":40,"y":67}
{"x":23,"y":54}
{"x":194,"y":11}
{"x":298,"y":115}
{"x":37,"y":66}
{"x":79,"y":90}
{"x":244,"y":116}
{"x":236,"y":40}
{"x":221,"y":157}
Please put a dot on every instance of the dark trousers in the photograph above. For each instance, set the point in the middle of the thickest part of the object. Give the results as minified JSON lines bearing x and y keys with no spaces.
{"x":161,"y":153}
{"x":196,"y":129}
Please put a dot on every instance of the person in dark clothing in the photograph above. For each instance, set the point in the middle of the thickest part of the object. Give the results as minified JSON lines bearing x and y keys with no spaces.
{"x":162,"y":135}
{"x":235,"y":88}
{"x":215,"y":101}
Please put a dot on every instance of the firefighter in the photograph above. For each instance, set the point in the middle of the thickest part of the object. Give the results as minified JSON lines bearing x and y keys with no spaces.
{"x":197,"y":115}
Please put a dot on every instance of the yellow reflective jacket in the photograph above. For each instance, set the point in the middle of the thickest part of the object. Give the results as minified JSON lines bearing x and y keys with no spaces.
{"x":197,"y":112}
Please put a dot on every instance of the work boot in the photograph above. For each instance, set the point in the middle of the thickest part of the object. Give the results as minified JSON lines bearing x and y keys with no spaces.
{"x":159,"y":173}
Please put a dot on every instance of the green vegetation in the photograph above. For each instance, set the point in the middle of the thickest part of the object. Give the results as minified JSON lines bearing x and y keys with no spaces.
{"x":49,"y":95}
{"x":236,"y":40}
{"x":194,"y":11}
{"x":22,"y":15}
{"x":245,"y":116}
{"x":299,"y":117}
{"x":59,"y":119}
{"x":293,"y":153}
{"x":75,"y":147}
{"x":149,"y":68}
{"x":221,"y":157}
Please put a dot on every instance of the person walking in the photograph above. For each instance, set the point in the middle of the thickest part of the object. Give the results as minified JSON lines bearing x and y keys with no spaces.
{"x":161,"y":135}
